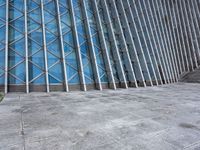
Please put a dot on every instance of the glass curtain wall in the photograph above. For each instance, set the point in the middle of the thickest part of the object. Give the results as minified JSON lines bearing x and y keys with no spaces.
{"x":62,"y":45}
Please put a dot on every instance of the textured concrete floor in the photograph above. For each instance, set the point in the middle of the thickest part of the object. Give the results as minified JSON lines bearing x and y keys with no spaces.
{"x":154,"y":118}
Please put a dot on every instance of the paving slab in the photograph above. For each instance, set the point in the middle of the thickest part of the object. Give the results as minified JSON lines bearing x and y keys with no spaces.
{"x":165,"y":117}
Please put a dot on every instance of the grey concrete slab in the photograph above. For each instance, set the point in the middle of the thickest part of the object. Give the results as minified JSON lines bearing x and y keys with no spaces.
{"x":154,"y":118}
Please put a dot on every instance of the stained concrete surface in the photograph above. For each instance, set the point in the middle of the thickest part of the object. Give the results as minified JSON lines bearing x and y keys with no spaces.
{"x":154,"y":118}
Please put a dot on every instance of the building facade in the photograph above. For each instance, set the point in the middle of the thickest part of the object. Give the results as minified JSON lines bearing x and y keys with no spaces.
{"x":65,"y":45}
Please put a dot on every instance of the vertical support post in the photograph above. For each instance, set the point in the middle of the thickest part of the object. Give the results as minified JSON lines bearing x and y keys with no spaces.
{"x":91,"y":47}
{"x":173,"y":37}
{"x":6,"y":48}
{"x":62,"y":47}
{"x":132,"y":49}
{"x":26,"y":46}
{"x":145,"y":43}
{"x":78,"y":51}
{"x":167,"y":48}
{"x":197,"y":26}
{"x":154,"y":41}
{"x":122,"y":77}
{"x":170,"y":39}
{"x":134,"y":26}
{"x":105,"y":50}
{"x":182,"y":37}
{"x":179,"y":45}
{"x":125,"y":53}
{"x":190,"y":35}
{"x":190,"y":28}
{"x":166,"y":33}
{"x":160,"y":41}
{"x":185,"y":30}
{"x":44,"y":46}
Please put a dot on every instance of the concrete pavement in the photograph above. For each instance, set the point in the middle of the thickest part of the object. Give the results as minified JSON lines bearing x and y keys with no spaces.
{"x":154,"y":118}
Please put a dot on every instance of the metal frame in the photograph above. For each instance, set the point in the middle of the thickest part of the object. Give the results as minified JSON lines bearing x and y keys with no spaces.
{"x":182,"y":35}
{"x":196,"y":24}
{"x":165,"y":42}
{"x":124,"y":50}
{"x":6,"y":48}
{"x":103,"y":44}
{"x":26,"y":46}
{"x":44,"y":46}
{"x":160,"y":44}
{"x":168,"y":41}
{"x":122,"y":77}
{"x":91,"y":46}
{"x":77,"y":46}
{"x":172,"y":48}
{"x":145,"y":41}
{"x":133,"y":26}
{"x":179,"y":45}
{"x":62,"y":47}
{"x":185,"y":31}
{"x":190,"y":34}
{"x":192,"y":30}
{"x":129,"y":39}
{"x":172,"y":45}
{"x":163,"y":67}
{"x":173,"y":38}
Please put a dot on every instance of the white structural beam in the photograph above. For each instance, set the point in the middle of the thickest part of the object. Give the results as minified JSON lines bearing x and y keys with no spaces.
{"x":44,"y":46}
{"x":62,"y":47}
{"x":123,"y":81}
{"x":159,"y":57}
{"x":182,"y":36}
{"x":166,"y":42}
{"x":135,"y":30}
{"x":177,"y":37}
{"x":6,"y":48}
{"x":104,"y":46}
{"x":26,"y":47}
{"x":173,"y":36}
{"x":158,"y":37}
{"x":189,"y":35}
{"x":186,"y":35}
{"x":91,"y":46}
{"x":123,"y":45}
{"x":151,"y":58}
{"x":130,"y":42}
{"x":77,"y":47}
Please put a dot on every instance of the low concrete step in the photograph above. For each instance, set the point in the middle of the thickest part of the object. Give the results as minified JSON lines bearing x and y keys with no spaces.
{"x":191,"y":77}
